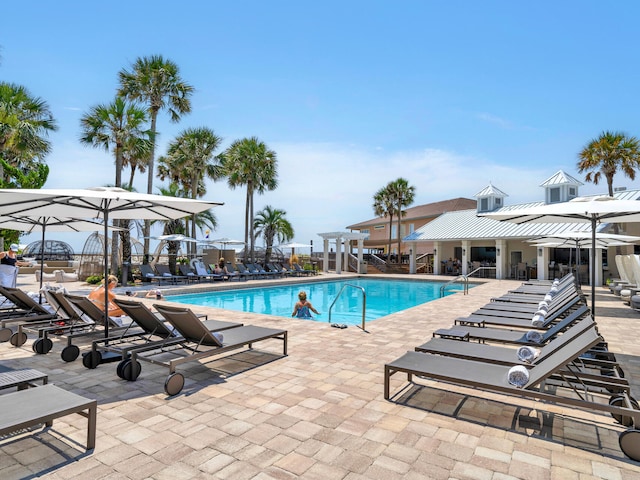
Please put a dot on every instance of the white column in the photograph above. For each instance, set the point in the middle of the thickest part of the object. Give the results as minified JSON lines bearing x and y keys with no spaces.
{"x":325,"y":255}
{"x":338,"y":255}
{"x":346,"y":253}
{"x":501,"y":257}
{"x":437,"y":249}
{"x":412,"y":258}
{"x":597,"y":278}
{"x":361,"y":268}
{"x":466,"y":253}
{"x":542,"y":262}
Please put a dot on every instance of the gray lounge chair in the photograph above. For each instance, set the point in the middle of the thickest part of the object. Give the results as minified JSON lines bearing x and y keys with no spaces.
{"x":25,"y":309}
{"x":198,"y":343}
{"x":153,"y":333}
{"x":503,"y":335}
{"x":150,"y":275}
{"x":494,"y":378}
{"x":165,"y":273}
{"x":527,"y":313}
{"x":518,"y":322}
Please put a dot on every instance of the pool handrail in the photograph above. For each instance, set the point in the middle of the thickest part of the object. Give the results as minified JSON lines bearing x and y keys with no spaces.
{"x":364,"y":302}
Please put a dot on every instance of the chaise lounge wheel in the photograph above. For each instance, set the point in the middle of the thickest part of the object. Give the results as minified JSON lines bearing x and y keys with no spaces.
{"x":70,"y":353}
{"x":630,"y":444}
{"x":131,"y":370}
{"x":18,"y":339}
{"x":42,"y":346}
{"x":92,"y":359}
{"x":619,"y":401}
{"x":173,"y":384}
{"x":120,"y":367}
{"x":5,"y":334}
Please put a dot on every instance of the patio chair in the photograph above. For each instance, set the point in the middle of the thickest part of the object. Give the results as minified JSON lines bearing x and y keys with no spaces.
{"x":24,"y":309}
{"x":202,"y":272}
{"x":153,"y":333}
{"x":164,"y":272}
{"x":526,"y":321}
{"x":532,"y":383}
{"x":149,"y":275}
{"x":301,"y":271}
{"x":198,"y":342}
{"x":257,"y":271}
{"x":502,"y":335}
{"x":242,"y":268}
{"x":277,"y":272}
{"x":189,"y":274}
{"x":236,"y":273}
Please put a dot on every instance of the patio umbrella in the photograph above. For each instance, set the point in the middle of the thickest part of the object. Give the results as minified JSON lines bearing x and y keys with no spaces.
{"x":49,"y":224}
{"x":593,"y":210}
{"x":224,"y":242}
{"x":103,"y":203}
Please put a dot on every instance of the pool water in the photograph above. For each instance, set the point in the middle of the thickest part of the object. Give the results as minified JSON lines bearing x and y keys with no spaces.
{"x":384,"y":297}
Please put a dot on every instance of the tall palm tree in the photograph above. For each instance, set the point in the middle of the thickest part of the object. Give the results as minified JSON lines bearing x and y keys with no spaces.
{"x":383,"y":206}
{"x":190,"y":160}
{"x":606,"y":155}
{"x":25,"y":122}
{"x":402,"y":195}
{"x":119,"y":126}
{"x":271,"y":224}
{"x":156,"y":82}
{"x":248,"y":162}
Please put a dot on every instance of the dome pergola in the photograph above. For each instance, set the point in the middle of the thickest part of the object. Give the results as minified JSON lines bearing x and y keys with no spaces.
{"x":92,"y":260}
{"x":53,"y":250}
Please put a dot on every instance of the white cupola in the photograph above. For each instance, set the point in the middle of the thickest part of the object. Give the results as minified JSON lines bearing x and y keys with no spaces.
{"x":490,"y":198}
{"x":560,"y":187}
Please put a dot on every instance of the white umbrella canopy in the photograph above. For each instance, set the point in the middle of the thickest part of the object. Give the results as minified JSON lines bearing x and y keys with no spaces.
{"x":104,"y":203}
{"x":175,"y":237}
{"x":593,"y":210}
{"x":224,"y":241}
{"x":294,"y":245}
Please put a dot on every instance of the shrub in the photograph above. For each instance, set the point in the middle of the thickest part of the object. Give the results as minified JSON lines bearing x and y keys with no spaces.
{"x":94,"y":279}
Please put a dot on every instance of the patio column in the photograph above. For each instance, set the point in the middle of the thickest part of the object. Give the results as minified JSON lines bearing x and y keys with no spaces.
{"x":437,"y":248}
{"x":412,"y":258}
{"x":501,"y":257}
{"x":597,"y":278}
{"x":325,"y":255}
{"x":542,"y":261}
{"x":361,"y":267}
{"x":338,"y":255}
{"x":466,"y":253}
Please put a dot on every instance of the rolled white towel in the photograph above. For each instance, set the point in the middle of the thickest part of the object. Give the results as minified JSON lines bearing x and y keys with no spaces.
{"x":548,"y":298}
{"x":556,"y":282}
{"x":553,"y":290}
{"x":533,"y":336}
{"x":518,"y":376}
{"x":528,"y":354}
{"x":219,"y":337}
{"x":537,"y":321}
{"x":543,"y":305}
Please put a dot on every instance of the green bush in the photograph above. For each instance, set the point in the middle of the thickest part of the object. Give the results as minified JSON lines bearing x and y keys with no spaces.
{"x":94,"y":279}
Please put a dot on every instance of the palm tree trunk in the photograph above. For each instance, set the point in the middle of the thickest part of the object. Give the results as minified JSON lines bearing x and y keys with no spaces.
{"x":389,"y":244}
{"x":246,"y":225}
{"x":150,"y":175}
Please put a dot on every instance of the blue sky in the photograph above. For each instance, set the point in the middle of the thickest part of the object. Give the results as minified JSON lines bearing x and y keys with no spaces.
{"x":350,"y":95}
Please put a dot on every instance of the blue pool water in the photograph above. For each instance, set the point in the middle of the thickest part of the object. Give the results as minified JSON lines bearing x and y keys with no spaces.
{"x":383,"y":298}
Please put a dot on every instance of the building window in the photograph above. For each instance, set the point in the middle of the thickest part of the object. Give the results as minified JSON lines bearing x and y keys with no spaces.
{"x":498,"y":202}
{"x":572,"y":192}
{"x":484,"y":204}
{"x":554,"y":195}
{"x":394,"y":231}
{"x":412,"y":228}
{"x":366,"y":232}
{"x":379,"y":227}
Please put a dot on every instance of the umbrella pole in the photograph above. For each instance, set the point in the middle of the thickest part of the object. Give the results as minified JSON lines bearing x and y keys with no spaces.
{"x":593,"y":266}
{"x":41,"y":265}
{"x":106,"y":272}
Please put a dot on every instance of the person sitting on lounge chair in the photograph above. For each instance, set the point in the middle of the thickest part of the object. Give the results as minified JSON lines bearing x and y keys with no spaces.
{"x":97,"y":297}
{"x":302,"y":307}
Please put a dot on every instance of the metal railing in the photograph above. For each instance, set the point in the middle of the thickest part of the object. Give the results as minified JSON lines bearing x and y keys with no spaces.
{"x":464,"y":278}
{"x":353,"y":263}
{"x":482,"y":269}
{"x":378,"y":263}
{"x":364,"y":302}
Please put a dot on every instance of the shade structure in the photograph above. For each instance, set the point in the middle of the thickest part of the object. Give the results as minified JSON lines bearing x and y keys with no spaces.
{"x":294,"y":245}
{"x":594,"y":210}
{"x":45,"y":224}
{"x":224,"y":241}
{"x":104,"y":203}
{"x":175,"y":237}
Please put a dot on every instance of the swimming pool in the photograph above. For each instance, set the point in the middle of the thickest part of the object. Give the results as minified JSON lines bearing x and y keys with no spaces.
{"x":384,"y":297}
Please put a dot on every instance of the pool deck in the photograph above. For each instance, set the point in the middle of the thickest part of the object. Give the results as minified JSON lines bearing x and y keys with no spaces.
{"x":319,"y":413}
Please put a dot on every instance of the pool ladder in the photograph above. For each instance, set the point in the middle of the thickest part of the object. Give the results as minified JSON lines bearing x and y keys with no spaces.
{"x":364,"y":302}
{"x":464,"y":278}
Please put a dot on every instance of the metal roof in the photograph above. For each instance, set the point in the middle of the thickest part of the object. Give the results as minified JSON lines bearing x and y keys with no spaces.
{"x":561,"y":178}
{"x":490,"y":191}
{"x":467,"y":225}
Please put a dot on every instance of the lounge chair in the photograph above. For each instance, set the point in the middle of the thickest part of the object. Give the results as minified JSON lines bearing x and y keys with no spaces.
{"x":520,"y":322}
{"x":153,"y":333}
{"x":202,"y":272}
{"x":244,"y":270}
{"x":24,"y":309}
{"x":92,"y":312}
{"x":150,"y":275}
{"x":257,"y":271}
{"x":163,"y":271}
{"x":198,"y":343}
{"x":234,"y":273}
{"x":503,"y":335}
{"x":190,"y":275}
{"x":301,"y":271}
{"x":277,"y":272}
{"x":495,"y":378}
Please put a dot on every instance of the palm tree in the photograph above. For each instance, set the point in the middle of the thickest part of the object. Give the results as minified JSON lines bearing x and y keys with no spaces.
{"x":383,"y":206}
{"x":605,"y":155}
{"x":402,"y":195}
{"x":156,"y":82}
{"x":25,"y":122}
{"x":250,"y":163}
{"x":119,"y":126}
{"x":190,"y":159}
{"x":271,"y":224}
